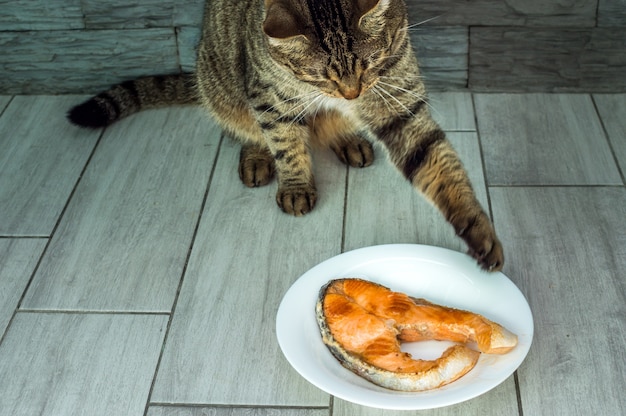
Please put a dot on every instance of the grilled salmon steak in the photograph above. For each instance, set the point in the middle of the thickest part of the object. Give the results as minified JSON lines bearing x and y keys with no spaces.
{"x":363,"y":323}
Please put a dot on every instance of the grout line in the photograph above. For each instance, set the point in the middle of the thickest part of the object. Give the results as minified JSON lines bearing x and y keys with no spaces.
{"x":469,"y":60}
{"x":535,"y":185}
{"x":177,"y":41}
{"x":607,"y":138}
{"x":518,"y":394}
{"x":482,"y":159}
{"x":183,"y":273}
{"x":490,"y":208}
{"x":345,"y":211}
{"x":24,"y":237}
{"x":2,"y":110}
{"x":51,"y":236}
{"x":235,"y":406}
{"x":88,"y":312}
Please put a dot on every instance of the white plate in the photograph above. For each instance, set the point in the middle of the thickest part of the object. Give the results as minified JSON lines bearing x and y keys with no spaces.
{"x":439,"y":275}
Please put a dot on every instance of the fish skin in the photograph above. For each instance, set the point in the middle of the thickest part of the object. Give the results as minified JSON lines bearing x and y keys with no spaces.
{"x":419,"y":375}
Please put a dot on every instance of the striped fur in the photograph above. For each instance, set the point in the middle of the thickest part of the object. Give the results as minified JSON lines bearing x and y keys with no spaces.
{"x":283,"y":76}
{"x":132,"y":96}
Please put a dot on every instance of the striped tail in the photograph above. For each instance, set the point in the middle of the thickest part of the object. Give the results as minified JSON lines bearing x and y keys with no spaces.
{"x":130,"y":97}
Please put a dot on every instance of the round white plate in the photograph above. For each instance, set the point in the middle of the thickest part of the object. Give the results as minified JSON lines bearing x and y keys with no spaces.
{"x":442,"y":276}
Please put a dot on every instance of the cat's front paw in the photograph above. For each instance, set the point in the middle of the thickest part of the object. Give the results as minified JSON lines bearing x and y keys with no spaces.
{"x":256,"y":165}
{"x":356,"y":152}
{"x":296,"y":200}
{"x":483,"y":244}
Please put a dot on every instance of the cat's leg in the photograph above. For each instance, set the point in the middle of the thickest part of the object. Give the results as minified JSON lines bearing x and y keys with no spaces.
{"x":297,"y":193}
{"x":256,"y":164}
{"x":421,"y":151}
{"x":288,"y":144}
{"x":272,"y":143}
{"x":332,"y":129}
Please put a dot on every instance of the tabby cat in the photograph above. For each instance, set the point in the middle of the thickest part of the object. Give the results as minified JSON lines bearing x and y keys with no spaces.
{"x":285,"y":75}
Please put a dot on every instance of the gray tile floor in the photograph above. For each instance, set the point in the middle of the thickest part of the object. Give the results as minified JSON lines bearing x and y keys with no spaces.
{"x":138,"y":276}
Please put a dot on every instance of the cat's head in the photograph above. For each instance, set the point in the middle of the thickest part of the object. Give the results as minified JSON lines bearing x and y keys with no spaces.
{"x":339,"y":46}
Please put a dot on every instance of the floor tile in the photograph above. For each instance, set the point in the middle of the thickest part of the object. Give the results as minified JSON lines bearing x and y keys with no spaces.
{"x":72,"y":364}
{"x":124,"y":239}
{"x":18,"y":257}
{"x":222,"y":347}
{"x":383,"y":208}
{"x":543,"y":139}
{"x":612,"y":109}
{"x":567,"y":253}
{"x":124,"y":235}
{"x":454,"y":111}
{"x":220,"y":411}
{"x":497,"y":402}
{"x":41,"y":158}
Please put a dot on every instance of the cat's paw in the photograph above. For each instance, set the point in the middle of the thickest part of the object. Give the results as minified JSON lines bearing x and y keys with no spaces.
{"x":296,"y":200}
{"x":483,"y":244}
{"x":356,"y":152}
{"x":256,"y":165}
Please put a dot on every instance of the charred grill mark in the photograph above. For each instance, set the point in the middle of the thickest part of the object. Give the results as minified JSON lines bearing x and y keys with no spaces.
{"x":416,"y":158}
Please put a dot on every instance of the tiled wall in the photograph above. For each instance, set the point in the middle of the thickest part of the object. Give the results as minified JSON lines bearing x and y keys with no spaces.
{"x":57,"y":46}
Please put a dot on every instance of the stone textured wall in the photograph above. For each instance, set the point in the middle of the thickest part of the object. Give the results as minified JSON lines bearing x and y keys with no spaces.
{"x":530,"y":45}
{"x":82,"y":46}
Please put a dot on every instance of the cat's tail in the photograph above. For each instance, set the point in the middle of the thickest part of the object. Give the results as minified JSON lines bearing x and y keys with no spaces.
{"x":130,"y":97}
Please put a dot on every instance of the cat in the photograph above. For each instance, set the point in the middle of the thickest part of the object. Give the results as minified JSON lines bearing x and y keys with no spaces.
{"x":282,"y":76}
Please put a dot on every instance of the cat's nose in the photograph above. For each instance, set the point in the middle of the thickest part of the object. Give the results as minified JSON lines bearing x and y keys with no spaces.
{"x":350,"y":93}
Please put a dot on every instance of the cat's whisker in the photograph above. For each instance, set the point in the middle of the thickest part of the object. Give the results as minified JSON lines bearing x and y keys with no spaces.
{"x":382,"y":97}
{"x":306,"y":105}
{"x":375,"y":52}
{"x":414,"y":25}
{"x":404,"y":78}
{"x":320,"y":105}
{"x":413,"y":94}
{"x":394,"y":56}
{"x":404,"y":107}
{"x":301,"y":100}
{"x":295,"y":98}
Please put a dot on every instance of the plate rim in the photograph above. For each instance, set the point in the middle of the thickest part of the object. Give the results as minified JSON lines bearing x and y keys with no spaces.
{"x":442,"y":257}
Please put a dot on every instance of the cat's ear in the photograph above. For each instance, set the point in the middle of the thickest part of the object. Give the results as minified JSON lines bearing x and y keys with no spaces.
{"x":369,"y":7}
{"x":281,"y":21}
